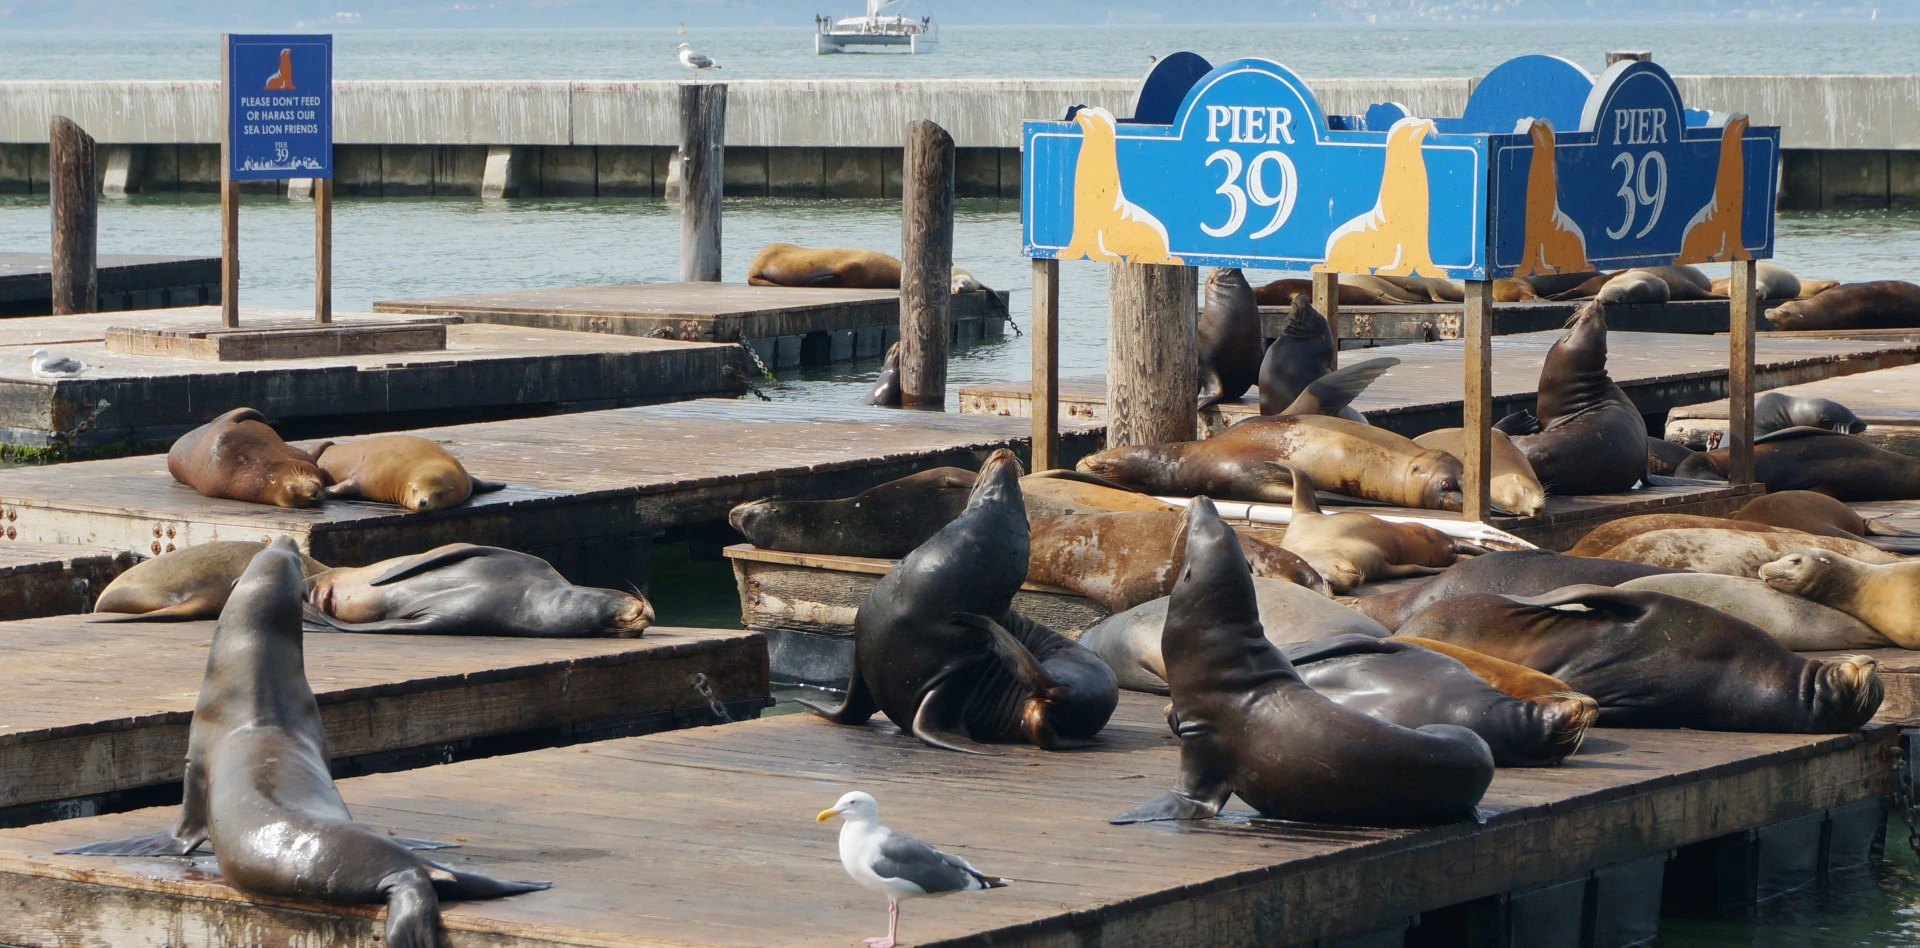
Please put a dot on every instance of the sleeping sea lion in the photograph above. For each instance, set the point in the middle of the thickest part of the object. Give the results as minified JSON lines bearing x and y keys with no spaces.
{"x":238,"y":457}
{"x":1615,"y":532}
{"x":1838,"y":465}
{"x":1510,"y":573}
{"x":1398,"y":682}
{"x":1249,"y":726}
{"x":1121,"y":560}
{"x":939,"y":650}
{"x":1774,"y":283}
{"x":1654,"y":660}
{"x":1777,"y":411}
{"x":1731,"y":552}
{"x":781,"y":264}
{"x":257,"y":787}
{"x":1684,"y":281}
{"x":1282,"y":292}
{"x":1229,"y":338}
{"x":1349,"y":549}
{"x":1885,"y":596}
{"x":1592,"y":439}
{"x":1816,"y":513}
{"x":189,"y":583}
{"x":1388,"y":290}
{"x":463,"y":589}
{"x":1799,"y":624}
{"x":408,"y":470}
{"x":1513,"y":485}
{"x":1551,"y":285}
{"x":1634,"y":286}
{"x":1880,"y":304}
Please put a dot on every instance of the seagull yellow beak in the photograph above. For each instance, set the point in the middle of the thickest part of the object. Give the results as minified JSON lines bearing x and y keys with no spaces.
{"x":826,"y":815}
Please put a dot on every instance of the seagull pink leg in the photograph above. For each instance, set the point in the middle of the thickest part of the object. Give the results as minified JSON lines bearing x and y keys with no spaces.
{"x":893,"y":928}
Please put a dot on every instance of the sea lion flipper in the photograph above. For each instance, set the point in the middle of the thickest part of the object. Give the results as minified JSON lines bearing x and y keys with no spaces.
{"x":1334,"y":391}
{"x":458,"y":885}
{"x":313,"y":453}
{"x":183,"y":611}
{"x":156,"y":843}
{"x":483,"y":486}
{"x":1334,"y":646}
{"x":347,"y":488}
{"x":1799,"y":431}
{"x":431,"y":560}
{"x":940,"y":723}
{"x":1010,"y":651}
{"x":856,"y":708}
{"x":1519,"y":423}
{"x":1172,"y":805}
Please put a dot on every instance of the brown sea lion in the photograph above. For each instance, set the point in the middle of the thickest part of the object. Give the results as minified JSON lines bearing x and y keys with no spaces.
{"x":1840,"y":466}
{"x":1354,"y":548}
{"x":1664,"y":457}
{"x":407,"y":470}
{"x":1505,"y":290}
{"x":1592,"y":439}
{"x":1881,"y":304}
{"x":1774,"y":283}
{"x":1512,"y":573}
{"x":1654,"y":660}
{"x":1684,"y":282}
{"x":1237,"y":702}
{"x":1550,"y":285}
{"x":1731,"y":552}
{"x":782,"y":264}
{"x":238,"y":457}
{"x":1513,"y":485}
{"x":1635,"y":286}
{"x":1615,"y":532}
{"x":1816,"y":513}
{"x":1799,"y":624}
{"x":189,"y":583}
{"x":257,"y":787}
{"x":1583,"y":289}
{"x":1517,"y":681}
{"x":1388,"y":290}
{"x":464,"y":589}
{"x":1282,"y":292}
{"x":1229,"y":338}
{"x":1121,"y":560}
{"x":1885,"y":596}
{"x":1813,"y":288}
{"x":1244,"y":463}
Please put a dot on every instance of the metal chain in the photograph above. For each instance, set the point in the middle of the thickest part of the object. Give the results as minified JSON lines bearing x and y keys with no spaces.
{"x":758,"y":363}
{"x":699,"y":682}
{"x":1903,"y":794}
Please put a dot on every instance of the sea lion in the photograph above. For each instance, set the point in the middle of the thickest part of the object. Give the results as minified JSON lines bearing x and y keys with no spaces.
{"x":463,"y":589}
{"x":1776,"y":411}
{"x":1664,"y":457}
{"x":1282,"y":292}
{"x":1057,"y":493}
{"x":1513,"y":485}
{"x":1387,"y":288}
{"x":1816,"y":513}
{"x":1354,"y":548}
{"x":1129,"y":641}
{"x":1121,"y":560}
{"x":1635,"y":286}
{"x":257,"y":786}
{"x":1229,"y":338}
{"x":1840,"y":466}
{"x":886,"y":387}
{"x":1799,"y":624}
{"x":1585,"y":288}
{"x":238,"y":457}
{"x":1396,"y":681}
{"x":1249,"y":726}
{"x":1731,"y":552}
{"x":1812,"y":288}
{"x":189,"y":583}
{"x":939,"y":650}
{"x":1510,"y":573}
{"x":1880,"y":304}
{"x":1301,"y":353}
{"x":781,"y":264}
{"x":1514,"y":681}
{"x":1654,"y":660}
{"x":407,"y":470}
{"x":1684,"y":282}
{"x":1551,"y":285}
{"x":1592,"y":439}
{"x":1243,"y":463}
{"x":1882,"y":595}
{"x":1440,"y":290}
{"x":1615,"y":532}
{"x":1772,"y":281}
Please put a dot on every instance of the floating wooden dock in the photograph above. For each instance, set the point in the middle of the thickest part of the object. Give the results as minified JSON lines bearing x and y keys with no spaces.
{"x":97,"y":710}
{"x":587,"y":491}
{"x":38,"y":579}
{"x":1367,"y":326}
{"x":124,"y":280}
{"x":786,"y":326}
{"x":1658,"y":371}
{"x":1887,"y":400}
{"x":128,"y":403}
{"x":708,"y":838}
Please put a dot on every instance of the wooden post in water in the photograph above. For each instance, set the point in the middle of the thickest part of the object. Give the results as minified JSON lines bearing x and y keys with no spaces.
{"x":926,"y":265}
{"x":229,"y":206}
{"x":703,"y":139}
{"x":1046,"y":364}
{"x":1629,"y":55}
{"x":76,"y":218}
{"x":1153,"y":361}
{"x":323,"y":250}
{"x":1476,"y":410}
{"x":1743,"y":310}
{"x":1326,"y":299}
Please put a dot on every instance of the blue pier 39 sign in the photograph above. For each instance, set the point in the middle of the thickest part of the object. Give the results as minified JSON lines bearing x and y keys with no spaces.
{"x":279,"y":107}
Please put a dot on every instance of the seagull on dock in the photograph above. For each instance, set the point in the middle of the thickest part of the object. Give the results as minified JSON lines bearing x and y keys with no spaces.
{"x":897,"y":865}
{"x":47,"y":366}
{"x":698,"y":62}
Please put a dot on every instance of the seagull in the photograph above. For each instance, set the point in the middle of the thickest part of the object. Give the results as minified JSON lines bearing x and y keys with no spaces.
{"x":895,"y":864}
{"x":698,"y":62}
{"x":54,"y":367}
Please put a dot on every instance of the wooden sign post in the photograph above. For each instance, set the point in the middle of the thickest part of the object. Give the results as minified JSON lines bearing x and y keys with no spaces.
{"x":279,"y":95}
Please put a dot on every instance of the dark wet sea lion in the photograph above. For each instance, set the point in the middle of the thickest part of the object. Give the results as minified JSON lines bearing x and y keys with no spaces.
{"x":1399,"y":682}
{"x":939,"y":650}
{"x":886,"y":388}
{"x":1838,"y":465}
{"x":1229,"y":338}
{"x":1244,"y":462}
{"x":1881,"y":304}
{"x":1615,"y":532}
{"x":1799,"y":624}
{"x":782,"y":264}
{"x":1513,"y":573}
{"x":1731,"y":552}
{"x":1300,"y":355}
{"x":407,"y":470}
{"x":1592,"y":439}
{"x":1885,"y":596}
{"x":1776,"y":411}
{"x":463,"y":589}
{"x":189,"y":583}
{"x":1282,"y":292}
{"x":238,"y":457}
{"x":1816,"y":513}
{"x":1513,"y":485}
{"x":1350,"y":549}
{"x":1249,"y":726}
{"x":1129,"y":642}
{"x":1654,"y":660}
{"x":1664,"y":457}
{"x":1122,"y":559}
{"x":257,"y":787}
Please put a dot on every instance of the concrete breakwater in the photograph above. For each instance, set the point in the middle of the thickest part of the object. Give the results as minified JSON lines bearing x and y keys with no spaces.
{"x":1849,"y":141}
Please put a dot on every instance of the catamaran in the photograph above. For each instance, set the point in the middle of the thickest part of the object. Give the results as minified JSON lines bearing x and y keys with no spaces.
{"x":883,"y":27}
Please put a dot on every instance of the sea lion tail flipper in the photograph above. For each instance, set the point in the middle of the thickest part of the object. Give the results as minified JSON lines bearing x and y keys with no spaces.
{"x":1877,"y":529}
{"x":1172,"y":805}
{"x":856,"y":708}
{"x":1306,"y":502}
{"x":1336,"y":390}
{"x":1063,"y":474}
{"x":156,"y":843}
{"x":1519,"y":423}
{"x":1010,"y":651}
{"x":314,"y":453}
{"x":483,"y":486}
{"x":1334,"y":646}
{"x":453,"y":884}
{"x":1470,"y":547}
{"x":347,"y":488}
{"x":431,"y":560}
{"x":185,"y":610}
{"x":940,"y":721}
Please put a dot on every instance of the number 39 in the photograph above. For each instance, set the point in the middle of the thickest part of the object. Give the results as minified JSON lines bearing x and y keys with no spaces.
{"x":1255,"y":191}
{"x":1637,"y":191}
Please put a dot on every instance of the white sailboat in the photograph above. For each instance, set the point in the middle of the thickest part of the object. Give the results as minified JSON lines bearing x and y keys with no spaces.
{"x":883,"y":26}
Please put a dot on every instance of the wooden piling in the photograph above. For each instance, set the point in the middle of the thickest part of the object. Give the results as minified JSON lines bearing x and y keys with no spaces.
{"x":703,"y":139}
{"x":1326,"y":299}
{"x":1153,"y":362}
{"x":1629,"y":55}
{"x":1476,"y":410}
{"x":1743,"y":310}
{"x":323,"y":250}
{"x":76,"y":219}
{"x":1046,"y":364}
{"x":229,"y":206}
{"x":926,"y":265}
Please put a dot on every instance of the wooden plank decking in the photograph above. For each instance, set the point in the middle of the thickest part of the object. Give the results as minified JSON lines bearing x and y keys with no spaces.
{"x":708,"y":838}
{"x":38,"y":579}
{"x":100,"y":708}
{"x":125,"y":281}
{"x":1887,"y":400}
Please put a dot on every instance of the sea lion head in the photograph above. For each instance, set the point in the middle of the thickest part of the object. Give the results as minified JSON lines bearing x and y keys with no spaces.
{"x":1806,"y":573}
{"x":1129,"y":466}
{"x":1213,"y":642}
{"x":602,"y":611}
{"x":296,"y":483}
{"x":436,"y":487}
{"x":268,"y":595}
{"x":1824,"y":413}
{"x":1522,"y":495}
{"x":1846,"y":692}
{"x":1568,"y":715}
{"x":756,"y":520}
{"x":1302,"y":319}
{"x":1433,"y":481}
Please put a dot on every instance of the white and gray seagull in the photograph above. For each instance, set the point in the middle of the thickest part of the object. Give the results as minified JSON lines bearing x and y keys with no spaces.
{"x":897,"y":865}
{"x":54,"y":367}
{"x":698,"y":62}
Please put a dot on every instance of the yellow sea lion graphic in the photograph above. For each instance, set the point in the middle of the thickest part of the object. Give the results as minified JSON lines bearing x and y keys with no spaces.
{"x":1106,"y":226}
{"x":1391,"y":239}
{"x":1554,"y":243}
{"x":1714,"y":233}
